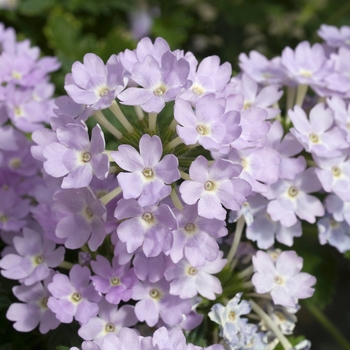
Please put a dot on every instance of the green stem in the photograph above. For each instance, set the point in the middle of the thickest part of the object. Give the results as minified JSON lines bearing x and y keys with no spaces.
{"x":109,"y":196}
{"x":184,"y":175}
{"x":152,"y":122}
{"x":173,"y":124}
{"x":100,"y":118}
{"x":115,"y":109}
{"x":301,"y":93}
{"x":66,"y":265}
{"x":246,"y":272}
{"x":175,"y":198}
{"x":172,"y":144}
{"x":236,"y":239}
{"x":139,"y":112}
{"x":274,"y":328}
{"x":328,"y":325}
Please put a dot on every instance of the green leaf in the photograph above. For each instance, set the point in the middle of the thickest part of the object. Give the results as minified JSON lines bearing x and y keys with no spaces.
{"x":35,"y":7}
{"x":62,"y":347}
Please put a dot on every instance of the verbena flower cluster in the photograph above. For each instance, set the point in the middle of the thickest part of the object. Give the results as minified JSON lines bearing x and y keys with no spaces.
{"x":132,"y":236}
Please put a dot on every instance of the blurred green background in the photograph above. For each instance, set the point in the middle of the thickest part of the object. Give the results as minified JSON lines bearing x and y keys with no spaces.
{"x":70,"y":28}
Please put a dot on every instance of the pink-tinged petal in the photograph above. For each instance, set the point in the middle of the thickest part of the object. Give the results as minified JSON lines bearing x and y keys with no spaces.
{"x":102,"y":267}
{"x":131,"y":233}
{"x":53,"y":165}
{"x":74,"y":136}
{"x":299,"y":286}
{"x":80,"y":276}
{"x":167,"y":169}
{"x":289,"y":264}
{"x":80,"y":177}
{"x":183,"y":113}
{"x":61,"y":286}
{"x":86,"y":310}
{"x":154,"y":105}
{"x":208,"y":109}
{"x":264,"y":264}
{"x":280,"y":296}
{"x":150,"y":150}
{"x":128,"y":158}
{"x":132,"y":184}
{"x":55,"y":257}
{"x":147,"y":74}
{"x":80,"y":75}
{"x":321,"y":118}
{"x":27,"y":316}
{"x":92,"y":329}
{"x":135,"y":96}
{"x":94,"y":65}
{"x":199,"y":169}
{"x":76,"y":235}
{"x":48,"y":322}
{"x":97,"y":140}
{"x":223,"y":169}
{"x":153,"y":192}
{"x":299,"y":119}
{"x":208,"y":286}
{"x":147,"y":310}
{"x":209,"y":206}
{"x":127,"y":208}
{"x":100,"y":165}
{"x":191,"y":191}
{"x":189,"y":136}
{"x":125,"y":316}
{"x":81,"y":96}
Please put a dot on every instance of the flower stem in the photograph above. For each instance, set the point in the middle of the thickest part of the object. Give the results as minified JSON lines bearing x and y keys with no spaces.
{"x":152,"y":122}
{"x":301,"y":93}
{"x":173,"y":124}
{"x":328,"y":325}
{"x":173,"y":143}
{"x":184,"y":175}
{"x":66,"y":265}
{"x":274,"y":328}
{"x":111,"y":195}
{"x":139,"y":112}
{"x":100,"y":118}
{"x":236,"y":239}
{"x":115,"y":109}
{"x":176,"y":200}
{"x":246,"y":272}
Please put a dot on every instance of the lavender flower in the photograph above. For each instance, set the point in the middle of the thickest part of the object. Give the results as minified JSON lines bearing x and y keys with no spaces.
{"x":73,"y":296}
{"x":282,"y":278}
{"x":95,"y":84}
{"x":149,"y":177}
{"x":213,"y":186}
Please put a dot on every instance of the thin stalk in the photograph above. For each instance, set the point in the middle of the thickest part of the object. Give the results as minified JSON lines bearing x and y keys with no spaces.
{"x":173,"y":124}
{"x":152,"y":122}
{"x":115,"y":109}
{"x":246,"y":272}
{"x":274,"y":328}
{"x":329,"y":326}
{"x":236,"y":239}
{"x":111,"y":195}
{"x":66,"y":265}
{"x":100,"y":118}
{"x":109,"y":155}
{"x":176,"y":200}
{"x":247,"y":285}
{"x":256,"y":295}
{"x":291,"y":92}
{"x":139,"y":112}
{"x":301,"y":93}
{"x":173,"y":143}
{"x":184,"y":175}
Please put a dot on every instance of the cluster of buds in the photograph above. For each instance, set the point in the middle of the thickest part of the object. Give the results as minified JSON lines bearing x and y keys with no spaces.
{"x":149,"y":160}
